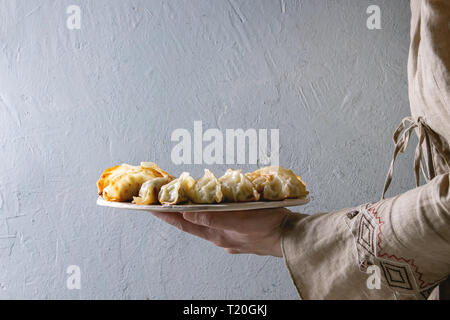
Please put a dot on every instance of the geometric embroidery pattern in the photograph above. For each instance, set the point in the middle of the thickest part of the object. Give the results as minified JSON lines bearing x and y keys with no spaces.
{"x":426,"y":293}
{"x":398,"y":273}
{"x":366,"y":234}
{"x":410,"y":262}
{"x":364,"y":229}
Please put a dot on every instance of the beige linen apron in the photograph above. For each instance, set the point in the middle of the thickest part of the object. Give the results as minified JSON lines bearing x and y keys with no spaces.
{"x":429,"y":87}
{"x":328,"y":255}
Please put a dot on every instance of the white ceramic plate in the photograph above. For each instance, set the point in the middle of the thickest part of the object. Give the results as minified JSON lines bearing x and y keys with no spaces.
{"x":206,"y":207}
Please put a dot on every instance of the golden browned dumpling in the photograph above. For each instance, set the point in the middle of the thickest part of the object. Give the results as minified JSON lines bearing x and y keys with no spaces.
{"x":122,"y":183}
{"x":176,"y":191}
{"x":148,"y":194}
{"x":206,"y":189}
{"x":277,"y":183}
{"x":157,"y":168}
{"x":236,"y":187}
{"x":109,"y":174}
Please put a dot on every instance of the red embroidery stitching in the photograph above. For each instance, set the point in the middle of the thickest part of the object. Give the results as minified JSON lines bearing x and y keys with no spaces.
{"x":382,"y":254}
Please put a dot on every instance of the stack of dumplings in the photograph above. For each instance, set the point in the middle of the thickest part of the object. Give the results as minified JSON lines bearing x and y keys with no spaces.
{"x":148,"y":184}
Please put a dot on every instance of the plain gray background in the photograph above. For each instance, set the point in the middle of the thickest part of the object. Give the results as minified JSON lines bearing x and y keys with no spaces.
{"x":74,"y":102}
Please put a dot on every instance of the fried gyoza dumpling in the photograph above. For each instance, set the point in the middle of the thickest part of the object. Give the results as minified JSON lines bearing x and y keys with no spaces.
{"x":148,"y":194}
{"x":157,"y":168}
{"x":109,"y":174}
{"x":206,"y":189}
{"x":236,"y":187}
{"x":123,"y":182}
{"x":176,"y":191}
{"x":277,"y":183}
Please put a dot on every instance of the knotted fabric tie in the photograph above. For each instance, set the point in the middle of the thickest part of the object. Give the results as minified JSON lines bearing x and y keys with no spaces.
{"x":401,"y":143}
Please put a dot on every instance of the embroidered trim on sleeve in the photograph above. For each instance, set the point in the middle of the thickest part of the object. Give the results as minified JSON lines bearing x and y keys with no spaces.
{"x":400,"y":274}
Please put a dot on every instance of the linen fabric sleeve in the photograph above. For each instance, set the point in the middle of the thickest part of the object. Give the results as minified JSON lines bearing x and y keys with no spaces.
{"x":405,"y":240}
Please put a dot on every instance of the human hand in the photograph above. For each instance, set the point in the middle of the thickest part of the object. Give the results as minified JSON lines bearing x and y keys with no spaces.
{"x":253,"y":231}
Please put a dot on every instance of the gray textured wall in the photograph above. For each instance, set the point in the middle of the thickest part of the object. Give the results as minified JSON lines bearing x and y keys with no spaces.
{"x":73,"y":102}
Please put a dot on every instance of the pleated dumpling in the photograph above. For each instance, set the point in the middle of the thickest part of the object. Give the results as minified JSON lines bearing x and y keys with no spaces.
{"x":177,"y":191}
{"x":206,"y":189}
{"x":236,"y":187}
{"x":277,"y":183}
{"x":155,"y":167}
{"x":111,"y":173}
{"x":148,"y":194}
{"x":124,"y":182}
